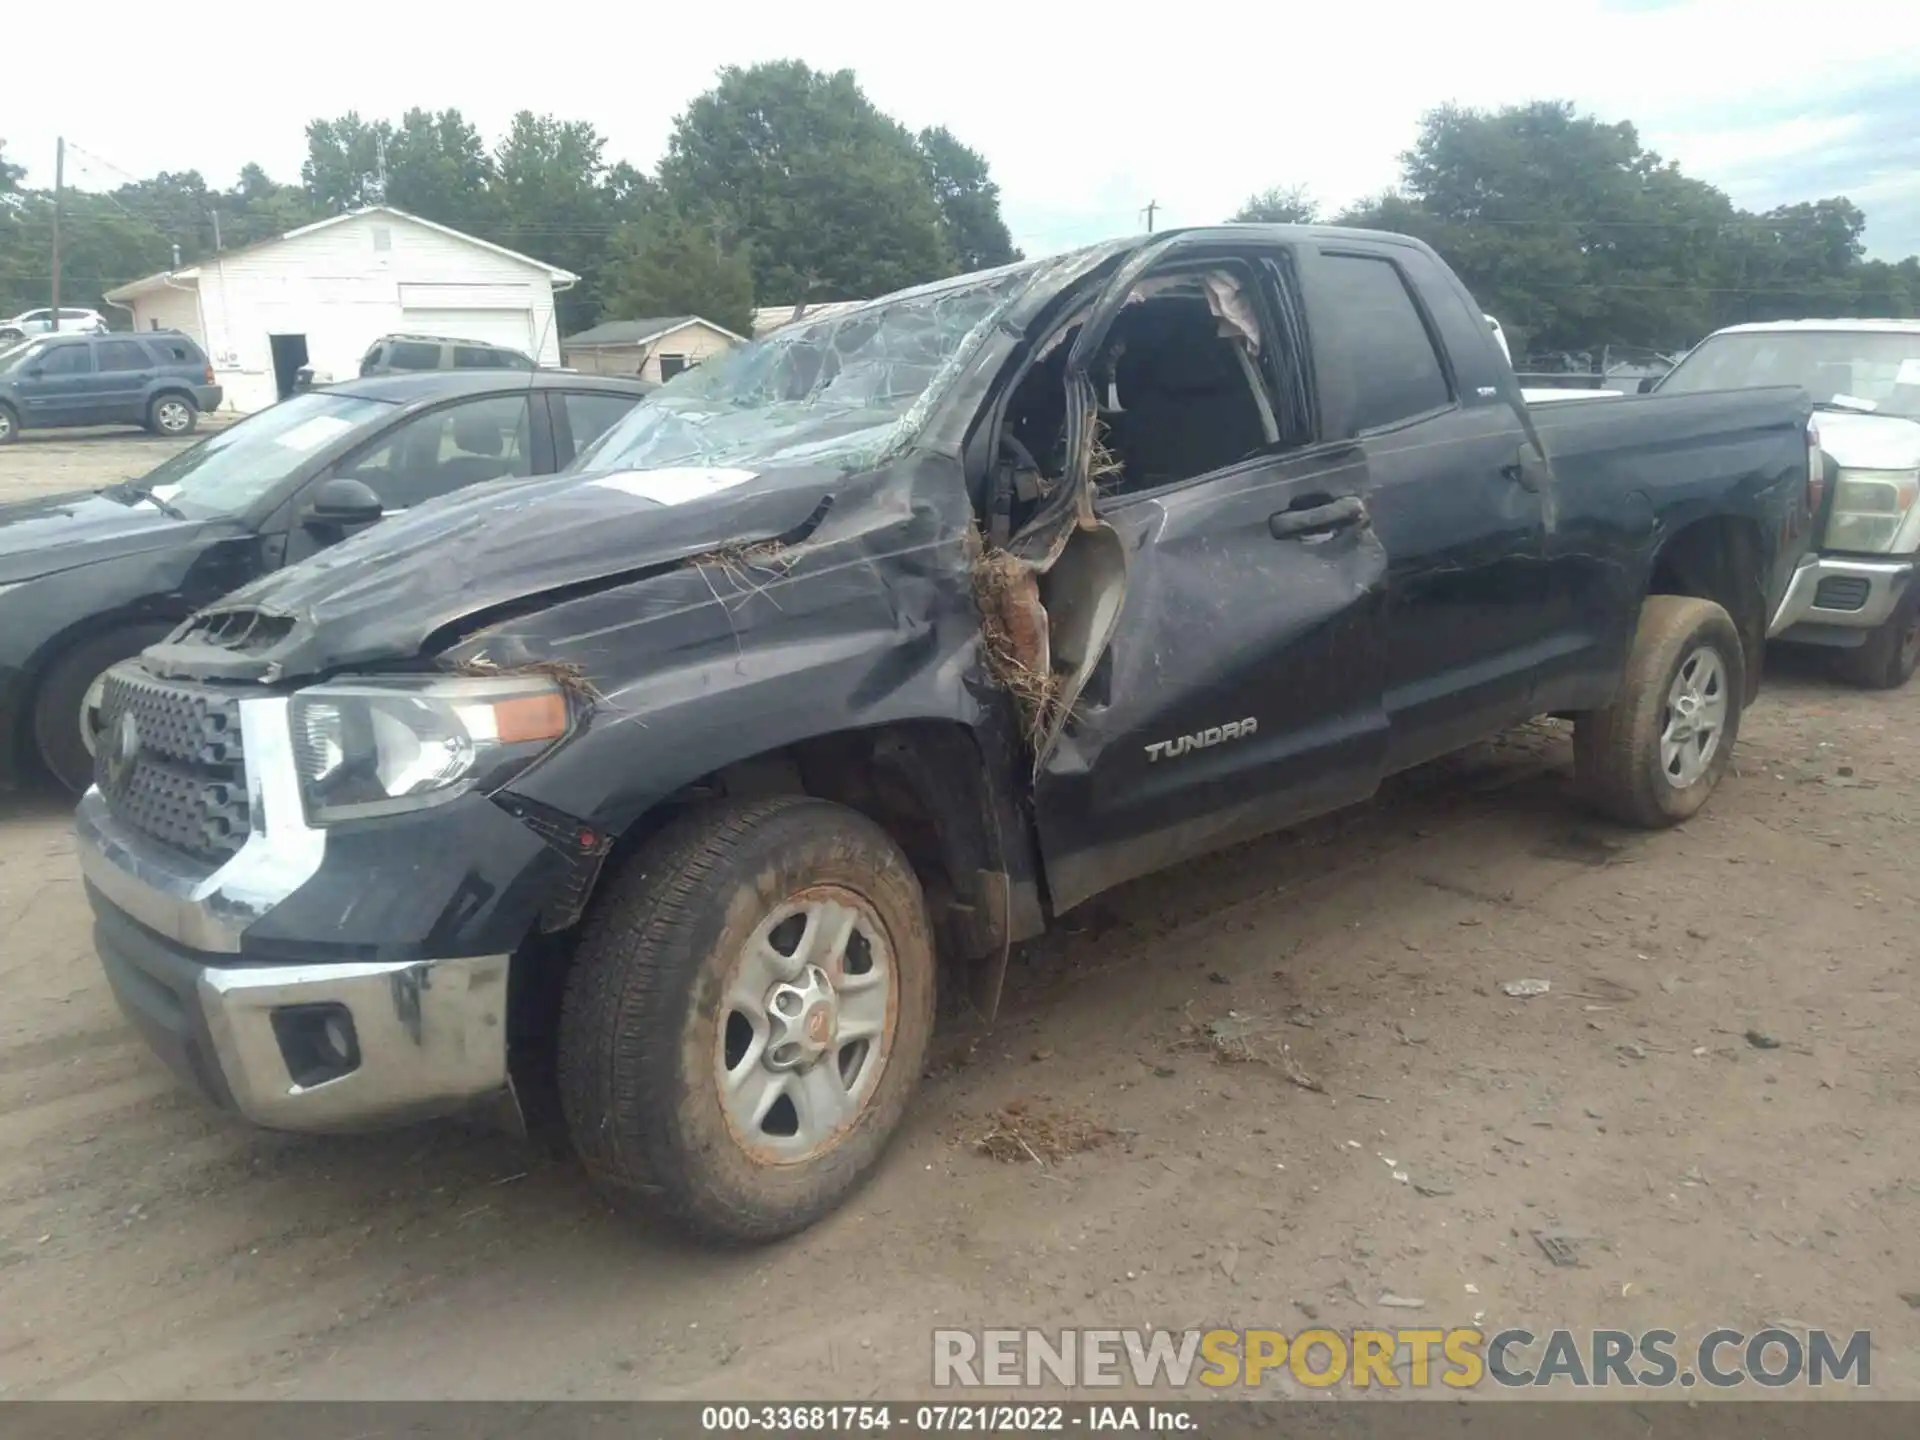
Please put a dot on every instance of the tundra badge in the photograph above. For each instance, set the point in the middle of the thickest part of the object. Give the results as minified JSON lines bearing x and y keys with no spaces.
{"x":1212,"y":735}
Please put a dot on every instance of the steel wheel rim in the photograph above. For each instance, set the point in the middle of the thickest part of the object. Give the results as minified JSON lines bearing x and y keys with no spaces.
{"x":173,"y":415}
{"x":90,"y":712}
{"x":1910,"y":644}
{"x":6,"y":424}
{"x":807,"y":1019}
{"x":1694,"y":721}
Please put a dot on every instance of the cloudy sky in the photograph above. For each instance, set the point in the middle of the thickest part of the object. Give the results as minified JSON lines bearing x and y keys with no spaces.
{"x":1084,"y":114}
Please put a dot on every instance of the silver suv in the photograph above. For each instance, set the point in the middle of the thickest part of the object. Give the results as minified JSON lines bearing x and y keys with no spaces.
{"x":40,"y":322}
{"x":398,"y":353}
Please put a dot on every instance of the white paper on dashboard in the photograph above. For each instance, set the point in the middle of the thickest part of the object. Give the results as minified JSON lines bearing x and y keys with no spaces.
{"x":677,"y":485}
{"x":1909,"y":373}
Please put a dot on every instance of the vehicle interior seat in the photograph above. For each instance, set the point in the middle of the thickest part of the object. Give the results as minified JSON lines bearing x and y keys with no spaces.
{"x":483,"y":454}
{"x":1185,"y":404}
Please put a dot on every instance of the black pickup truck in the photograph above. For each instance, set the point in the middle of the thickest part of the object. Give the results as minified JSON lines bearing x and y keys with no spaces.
{"x":669,"y":790}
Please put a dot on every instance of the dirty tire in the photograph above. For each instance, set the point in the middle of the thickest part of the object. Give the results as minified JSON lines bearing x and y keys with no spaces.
{"x":9,"y":425}
{"x":642,"y":1018}
{"x":1619,"y":767}
{"x":172,"y":414}
{"x":1887,"y":659}
{"x":57,"y":701}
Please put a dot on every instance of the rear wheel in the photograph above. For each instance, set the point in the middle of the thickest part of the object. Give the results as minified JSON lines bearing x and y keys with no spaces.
{"x":747,"y":1015}
{"x":66,"y":709}
{"x":1654,"y":756}
{"x":1888,"y":657}
{"x":172,"y":415}
{"x":9,"y":425}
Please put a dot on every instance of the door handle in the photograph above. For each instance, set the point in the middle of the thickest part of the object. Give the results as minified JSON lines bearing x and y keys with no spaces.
{"x":1325,"y":519}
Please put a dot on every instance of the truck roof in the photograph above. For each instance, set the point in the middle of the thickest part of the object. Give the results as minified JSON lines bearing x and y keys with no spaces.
{"x":1895,"y":327}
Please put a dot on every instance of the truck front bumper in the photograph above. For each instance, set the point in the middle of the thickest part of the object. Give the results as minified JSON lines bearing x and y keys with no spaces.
{"x":305,"y":1042}
{"x":1832,"y":594}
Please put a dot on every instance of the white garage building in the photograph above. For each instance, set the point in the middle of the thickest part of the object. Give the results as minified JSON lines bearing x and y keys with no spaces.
{"x":320,"y":295}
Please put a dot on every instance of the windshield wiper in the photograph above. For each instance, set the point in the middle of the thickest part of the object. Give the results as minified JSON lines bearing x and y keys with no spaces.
{"x":134,"y":491}
{"x":1842,"y":409}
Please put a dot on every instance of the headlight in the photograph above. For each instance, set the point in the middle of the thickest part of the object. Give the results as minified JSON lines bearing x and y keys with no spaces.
{"x":1868,"y":508}
{"x":373,"y":747}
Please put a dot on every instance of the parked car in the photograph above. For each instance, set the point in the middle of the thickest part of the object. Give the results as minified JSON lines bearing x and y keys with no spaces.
{"x":669,"y":787}
{"x":40,"y":322}
{"x":88,"y":579}
{"x":1859,"y":599}
{"x":158,"y":379}
{"x":394,"y":354}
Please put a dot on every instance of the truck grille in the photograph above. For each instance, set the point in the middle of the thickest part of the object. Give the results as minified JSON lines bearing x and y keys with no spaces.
{"x":169,"y":763}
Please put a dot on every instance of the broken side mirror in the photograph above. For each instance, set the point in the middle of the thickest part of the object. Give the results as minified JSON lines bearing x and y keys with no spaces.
{"x":344,"y":504}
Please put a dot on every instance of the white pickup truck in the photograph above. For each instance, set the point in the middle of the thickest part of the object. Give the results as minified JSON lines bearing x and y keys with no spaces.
{"x":1858,"y":595}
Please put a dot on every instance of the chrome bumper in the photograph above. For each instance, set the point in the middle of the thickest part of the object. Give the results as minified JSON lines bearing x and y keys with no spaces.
{"x":421,"y":1037}
{"x":430,"y":1038}
{"x":1884,"y":582}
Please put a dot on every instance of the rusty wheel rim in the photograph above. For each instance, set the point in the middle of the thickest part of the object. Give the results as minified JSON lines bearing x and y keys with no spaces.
{"x":807,"y":1021}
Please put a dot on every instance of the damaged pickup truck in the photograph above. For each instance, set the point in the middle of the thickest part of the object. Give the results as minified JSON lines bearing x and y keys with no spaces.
{"x":660,"y":798}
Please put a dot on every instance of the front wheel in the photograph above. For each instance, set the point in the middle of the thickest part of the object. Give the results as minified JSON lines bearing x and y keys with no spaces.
{"x":1654,"y":756}
{"x":1887,"y":658}
{"x":747,"y":1015}
{"x":172,"y":415}
{"x":66,"y":710}
{"x":9,"y":425}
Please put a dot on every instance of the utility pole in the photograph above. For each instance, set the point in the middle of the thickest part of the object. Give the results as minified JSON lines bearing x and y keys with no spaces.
{"x":1152,"y":205}
{"x":216,"y":232}
{"x":59,"y":184}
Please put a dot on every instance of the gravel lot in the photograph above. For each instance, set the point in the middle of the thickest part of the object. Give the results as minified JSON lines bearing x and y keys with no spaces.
{"x":1710,"y":1176}
{"x":46,"y":462}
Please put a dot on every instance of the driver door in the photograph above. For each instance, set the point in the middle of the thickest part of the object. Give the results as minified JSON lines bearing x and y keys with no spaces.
{"x":1240,"y":686}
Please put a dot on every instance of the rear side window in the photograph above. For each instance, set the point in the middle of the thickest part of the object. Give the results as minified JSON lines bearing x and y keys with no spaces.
{"x":413,"y":355}
{"x":1396,"y":373}
{"x":590,"y":415}
{"x":121,"y":355}
{"x":175,"y":352}
{"x":470,"y":357}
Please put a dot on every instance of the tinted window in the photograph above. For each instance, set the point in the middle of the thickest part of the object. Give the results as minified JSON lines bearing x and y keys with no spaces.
{"x":175,"y":352}
{"x":412,"y":355}
{"x":1395,"y":370}
{"x":122,"y":355}
{"x":590,"y":416}
{"x":447,"y":449}
{"x":67,"y":360}
{"x":465,"y":357}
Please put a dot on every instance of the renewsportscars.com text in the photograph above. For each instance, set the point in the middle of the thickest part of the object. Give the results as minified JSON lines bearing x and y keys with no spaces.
{"x":1450,"y":1359}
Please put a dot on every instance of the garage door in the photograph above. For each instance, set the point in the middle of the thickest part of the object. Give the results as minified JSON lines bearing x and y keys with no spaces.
{"x":492,"y":327}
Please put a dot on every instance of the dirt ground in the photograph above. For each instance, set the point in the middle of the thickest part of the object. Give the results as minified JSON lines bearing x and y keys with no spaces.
{"x":151,"y":1248}
{"x":47,"y":462}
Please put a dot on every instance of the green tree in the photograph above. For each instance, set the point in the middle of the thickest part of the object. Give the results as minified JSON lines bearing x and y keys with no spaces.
{"x":969,"y":202}
{"x":342,"y":168}
{"x":1278,"y":205}
{"x":668,"y":264}
{"x":556,"y":200}
{"x":832,"y":195}
{"x":10,"y":174}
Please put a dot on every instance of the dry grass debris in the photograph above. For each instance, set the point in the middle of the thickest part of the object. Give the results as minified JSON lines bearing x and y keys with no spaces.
{"x":1025,"y":1131}
{"x":1013,"y":631}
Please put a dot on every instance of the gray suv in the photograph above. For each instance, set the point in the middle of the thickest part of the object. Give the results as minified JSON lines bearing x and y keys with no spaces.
{"x":396,"y":354}
{"x":158,"y":379}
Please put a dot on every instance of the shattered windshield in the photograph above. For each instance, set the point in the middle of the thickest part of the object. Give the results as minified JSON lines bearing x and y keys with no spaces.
{"x":844,"y":389}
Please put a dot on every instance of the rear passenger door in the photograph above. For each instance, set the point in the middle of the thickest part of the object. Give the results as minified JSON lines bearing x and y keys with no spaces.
{"x":125,"y":368}
{"x":1451,"y":491}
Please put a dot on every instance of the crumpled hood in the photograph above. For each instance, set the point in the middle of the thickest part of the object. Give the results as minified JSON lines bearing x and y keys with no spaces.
{"x":51,"y":533}
{"x":1869,"y":442}
{"x":380,"y":596}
